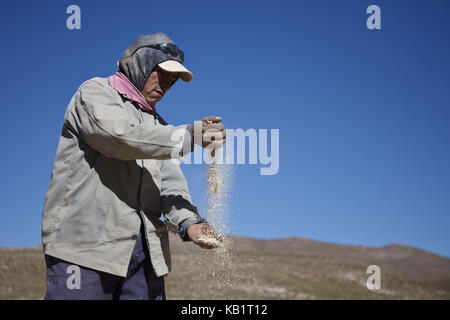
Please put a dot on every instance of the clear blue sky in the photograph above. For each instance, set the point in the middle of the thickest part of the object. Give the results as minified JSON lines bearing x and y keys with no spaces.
{"x":363,"y":115}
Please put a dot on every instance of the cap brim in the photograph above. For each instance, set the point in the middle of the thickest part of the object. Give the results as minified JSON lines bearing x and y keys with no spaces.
{"x":175,"y":66}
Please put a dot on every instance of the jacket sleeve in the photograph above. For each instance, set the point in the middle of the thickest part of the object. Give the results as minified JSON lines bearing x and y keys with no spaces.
{"x":176,"y":203}
{"x":98,"y":116}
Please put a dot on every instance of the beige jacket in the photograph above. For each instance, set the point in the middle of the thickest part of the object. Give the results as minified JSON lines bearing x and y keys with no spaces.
{"x":114,"y":167}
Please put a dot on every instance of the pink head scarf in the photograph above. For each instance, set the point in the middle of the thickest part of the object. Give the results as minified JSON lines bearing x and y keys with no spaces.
{"x":124,"y":86}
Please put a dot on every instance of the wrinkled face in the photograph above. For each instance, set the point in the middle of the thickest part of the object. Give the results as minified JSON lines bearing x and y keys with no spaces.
{"x":158,"y":82}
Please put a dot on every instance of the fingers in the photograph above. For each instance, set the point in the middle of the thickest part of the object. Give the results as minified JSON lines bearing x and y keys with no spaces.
{"x":208,"y":237}
{"x":214,"y":132}
{"x":213,"y":119}
{"x":209,"y":133}
{"x":206,"y":245}
{"x":213,"y":126}
{"x":213,"y":144}
{"x":213,"y":135}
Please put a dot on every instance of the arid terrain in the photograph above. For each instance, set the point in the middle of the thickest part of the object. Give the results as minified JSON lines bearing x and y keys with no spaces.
{"x":289,"y":268}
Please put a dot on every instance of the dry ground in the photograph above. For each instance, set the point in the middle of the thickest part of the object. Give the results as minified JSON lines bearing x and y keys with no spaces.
{"x":240,"y":273}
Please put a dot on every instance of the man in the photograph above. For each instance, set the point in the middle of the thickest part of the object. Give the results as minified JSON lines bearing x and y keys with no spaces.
{"x":113,"y":177}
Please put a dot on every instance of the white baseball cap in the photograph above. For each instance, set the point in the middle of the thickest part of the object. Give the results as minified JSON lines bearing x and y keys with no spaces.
{"x":175,"y":66}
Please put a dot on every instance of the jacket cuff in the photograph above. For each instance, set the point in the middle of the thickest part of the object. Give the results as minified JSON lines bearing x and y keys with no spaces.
{"x":188,"y":142}
{"x":182,"y":228}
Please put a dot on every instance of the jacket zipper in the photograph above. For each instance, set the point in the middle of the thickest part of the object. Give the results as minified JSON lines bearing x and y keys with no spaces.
{"x":154,"y":116}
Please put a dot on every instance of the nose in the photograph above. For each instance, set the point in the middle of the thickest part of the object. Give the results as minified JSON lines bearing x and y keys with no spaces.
{"x":167,"y":83}
{"x":164,"y":86}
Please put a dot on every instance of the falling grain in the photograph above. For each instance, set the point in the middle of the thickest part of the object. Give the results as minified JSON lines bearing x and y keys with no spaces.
{"x":219,"y":261}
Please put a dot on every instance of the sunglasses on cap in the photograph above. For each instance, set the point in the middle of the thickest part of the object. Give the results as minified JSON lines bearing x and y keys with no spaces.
{"x":169,"y":48}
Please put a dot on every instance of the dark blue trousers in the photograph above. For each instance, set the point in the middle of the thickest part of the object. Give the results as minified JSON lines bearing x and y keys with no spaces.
{"x":68,"y":281}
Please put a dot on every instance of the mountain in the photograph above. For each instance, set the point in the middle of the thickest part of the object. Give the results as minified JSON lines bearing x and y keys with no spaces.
{"x":408,"y":261}
{"x":248,"y":268}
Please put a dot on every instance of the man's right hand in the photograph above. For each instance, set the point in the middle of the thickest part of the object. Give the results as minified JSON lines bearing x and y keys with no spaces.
{"x":208,"y":132}
{"x":204,"y":235}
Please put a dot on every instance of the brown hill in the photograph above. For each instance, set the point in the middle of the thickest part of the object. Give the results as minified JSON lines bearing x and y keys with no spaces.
{"x":408,"y":261}
{"x":289,"y":268}
{"x":404,"y":260}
